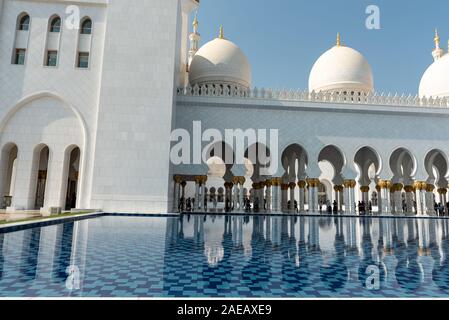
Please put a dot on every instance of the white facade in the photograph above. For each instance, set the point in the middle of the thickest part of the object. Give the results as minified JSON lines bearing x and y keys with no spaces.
{"x":99,"y":137}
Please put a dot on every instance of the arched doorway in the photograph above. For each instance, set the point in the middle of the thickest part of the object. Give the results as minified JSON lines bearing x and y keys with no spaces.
{"x":41,"y":157}
{"x":8,"y":170}
{"x":73,"y":157}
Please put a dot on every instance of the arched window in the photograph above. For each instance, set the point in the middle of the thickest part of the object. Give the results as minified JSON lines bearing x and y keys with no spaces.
{"x":86,"y":26}
{"x":55,"y":24}
{"x":24,"y":23}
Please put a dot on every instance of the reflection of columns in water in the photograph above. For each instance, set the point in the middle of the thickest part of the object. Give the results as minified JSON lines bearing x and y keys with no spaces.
{"x":241,"y":194}
{"x":2,"y":258}
{"x":30,"y":253}
{"x":237,"y":232}
{"x":198,"y":228}
{"x":276,"y":230}
{"x":351,"y":232}
{"x":63,"y":251}
{"x":314,"y":234}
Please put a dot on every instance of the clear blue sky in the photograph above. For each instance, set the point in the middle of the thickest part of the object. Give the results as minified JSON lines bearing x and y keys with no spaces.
{"x":283,"y":38}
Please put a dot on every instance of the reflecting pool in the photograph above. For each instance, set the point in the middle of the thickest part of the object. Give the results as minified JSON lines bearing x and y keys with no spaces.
{"x":228,"y":256}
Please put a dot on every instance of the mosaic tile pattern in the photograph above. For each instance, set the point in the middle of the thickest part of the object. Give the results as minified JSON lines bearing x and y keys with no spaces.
{"x":228,"y":256}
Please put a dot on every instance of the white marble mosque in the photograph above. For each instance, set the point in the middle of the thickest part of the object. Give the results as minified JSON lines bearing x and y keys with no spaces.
{"x":86,"y":119}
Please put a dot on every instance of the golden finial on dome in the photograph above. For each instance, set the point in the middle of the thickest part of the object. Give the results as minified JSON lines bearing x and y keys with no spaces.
{"x":195,"y":23}
{"x":338,"y":39}
{"x":221,"y":36}
{"x":437,"y":39}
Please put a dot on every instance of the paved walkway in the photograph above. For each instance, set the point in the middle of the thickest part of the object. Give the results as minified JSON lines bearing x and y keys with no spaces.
{"x":19,"y":215}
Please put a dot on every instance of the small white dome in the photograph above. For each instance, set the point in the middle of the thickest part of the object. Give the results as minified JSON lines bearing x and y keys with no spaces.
{"x":341,"y":69}
{"x":220,"y":61}
{"x":435,"y":81}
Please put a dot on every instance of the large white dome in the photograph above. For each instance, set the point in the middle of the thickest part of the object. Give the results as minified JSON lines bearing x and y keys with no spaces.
{"x":341,"y":69}
{"x":435,"y":81}
{"x":220,"y":61}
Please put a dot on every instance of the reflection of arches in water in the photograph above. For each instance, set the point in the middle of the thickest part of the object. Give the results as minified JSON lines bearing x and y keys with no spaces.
{"x":408,"y":271}
{"x":30,"y":253}
{"x":63,"y":251}
{"x":256,"y":274}
{"x":368,"y":264}
{"x":218,"y":277}
{"x":441,"y":269}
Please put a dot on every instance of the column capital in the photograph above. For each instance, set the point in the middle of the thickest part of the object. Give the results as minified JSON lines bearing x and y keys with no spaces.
{"x":177,"y":178}
{"x":409,"y":188}
{"x":350,"y":184}
{"x":292,"y":185}
{"x":284,"y":186}
{"x":397,"y":187}
{"x":430,"y":187}
{"x":313,"y":182}
{"x":385,"y":184}
{"x":420,"y":185}
{"x":235,"y":180}
{"x":338,"y":188}
{"x":302,"y":184}
{"x":364,"y":189}
{"x":442,"y":191}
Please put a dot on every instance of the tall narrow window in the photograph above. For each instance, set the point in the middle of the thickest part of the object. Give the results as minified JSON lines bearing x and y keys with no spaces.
{"x":55,"y":24}
{"x":24,"y":23}
{"x":52,"y":58}
{"x":19,"y":57}
{"x":83,"y":60}
{"x":86,"y":26}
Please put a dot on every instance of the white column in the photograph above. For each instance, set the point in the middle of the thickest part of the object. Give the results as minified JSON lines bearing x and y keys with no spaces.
{"x":430,"y":201}
{"x":235,"y":193}
{"x":313,"y":195}
{"x":241,"y":194}
{"x":409,"y":199}
{"x":302,"y":185}
{"x":384,"y":196}
{"x":420,"y":187}
{"x":197,"y":193}
{"x":284,"y":197}
{"x":379,"y":198}
{"x":352,"y":198}
{"x":292,"y":186}
{"x":177,"y":181}
{"x":397,"y":189}
{"x":268,"y":194}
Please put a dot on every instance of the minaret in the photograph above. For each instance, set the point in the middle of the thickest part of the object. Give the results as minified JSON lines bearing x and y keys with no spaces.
{"x":194,"y":39}
{"x":438,"y":52}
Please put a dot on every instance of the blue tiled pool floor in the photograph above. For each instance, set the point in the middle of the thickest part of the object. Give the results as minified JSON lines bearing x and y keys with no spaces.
{"x":228,"y":256}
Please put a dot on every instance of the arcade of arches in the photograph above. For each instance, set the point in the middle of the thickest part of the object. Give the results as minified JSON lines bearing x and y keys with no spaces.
{"x":337,"y":190}
{"x":40,"y":172}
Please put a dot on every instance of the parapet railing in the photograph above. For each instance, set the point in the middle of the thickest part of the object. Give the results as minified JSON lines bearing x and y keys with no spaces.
{"x":382,"y":99}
